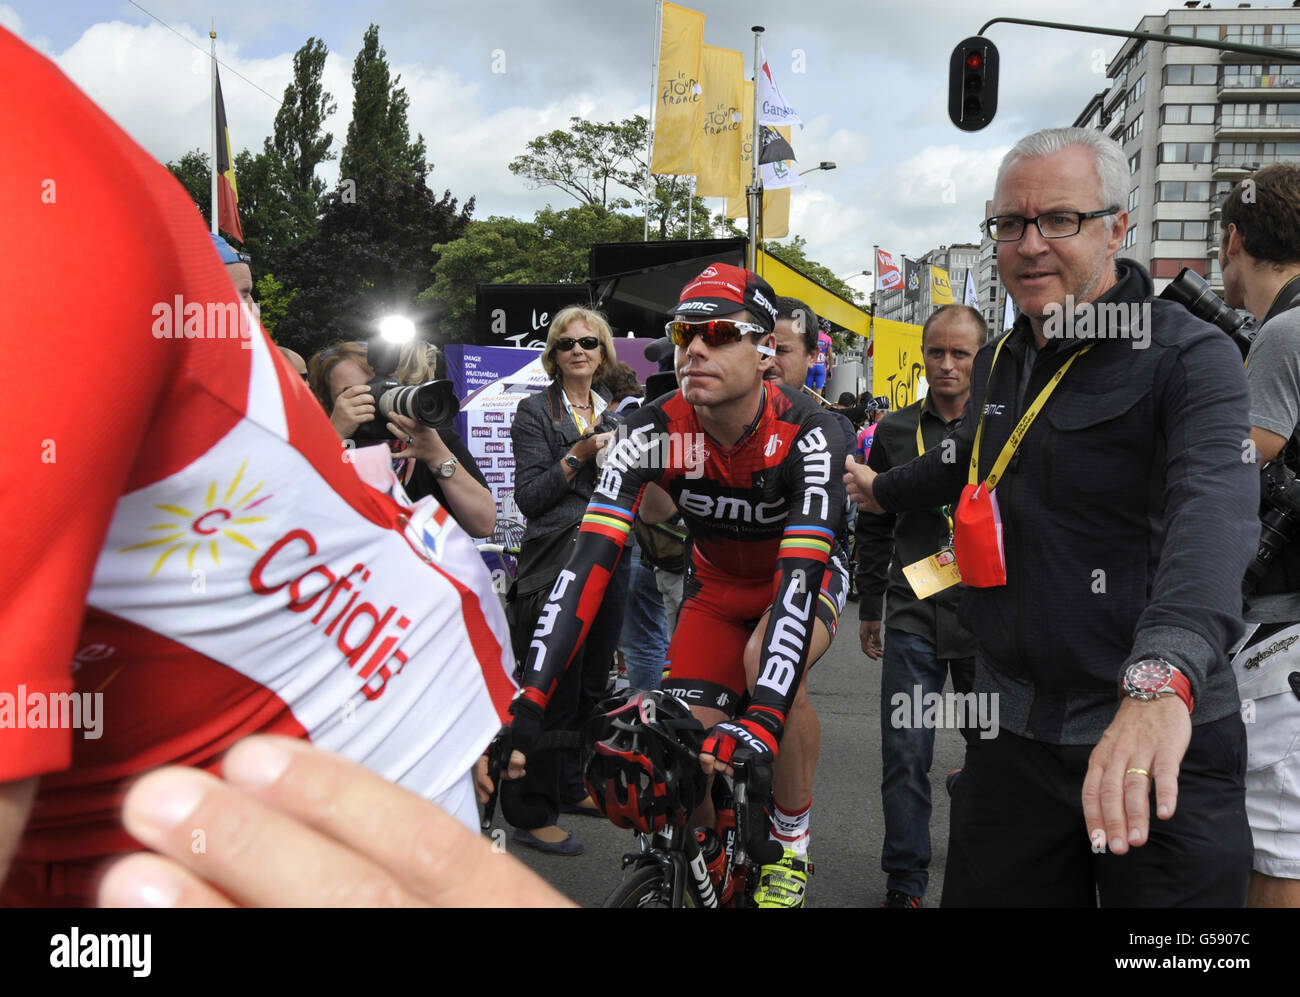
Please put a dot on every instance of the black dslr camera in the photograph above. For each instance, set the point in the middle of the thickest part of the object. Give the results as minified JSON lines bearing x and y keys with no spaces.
{"x":433,"y":404}
{"x":1279,"y":524}
{"x":1193,"y":292}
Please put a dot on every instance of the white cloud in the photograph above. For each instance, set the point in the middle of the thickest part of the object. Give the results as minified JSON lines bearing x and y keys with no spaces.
{"x":9,"y":19}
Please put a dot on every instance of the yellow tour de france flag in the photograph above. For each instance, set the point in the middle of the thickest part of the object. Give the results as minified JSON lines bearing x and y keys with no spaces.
{"x":776,"y":203}
{"x":724,"y":89}
{"x":678,"y":114}
{"x":898,"y":369}
{"x":940,"y":288}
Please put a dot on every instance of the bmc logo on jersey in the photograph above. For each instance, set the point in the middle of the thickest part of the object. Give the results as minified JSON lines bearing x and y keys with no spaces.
{"x":773,"y":444}
{"x":732,"y":509}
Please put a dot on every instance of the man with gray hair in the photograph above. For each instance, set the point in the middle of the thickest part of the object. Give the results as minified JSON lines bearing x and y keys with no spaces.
{"x":1103,"y":518}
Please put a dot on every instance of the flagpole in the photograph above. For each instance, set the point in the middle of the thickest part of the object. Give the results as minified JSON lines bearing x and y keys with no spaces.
{"x":690,"y":209}
{"x":655,"y":36}
{"x":212,"y":131}
{"x":755,"y":191}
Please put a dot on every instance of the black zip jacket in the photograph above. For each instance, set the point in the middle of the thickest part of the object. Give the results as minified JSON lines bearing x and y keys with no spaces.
{"x":1128,"y":516}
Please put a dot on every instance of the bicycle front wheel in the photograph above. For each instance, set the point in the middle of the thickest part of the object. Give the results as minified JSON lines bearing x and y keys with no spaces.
{"x":646,"y":887}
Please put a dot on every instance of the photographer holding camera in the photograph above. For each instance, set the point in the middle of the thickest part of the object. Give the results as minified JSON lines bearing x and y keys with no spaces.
{"x":1260,"y":258}
{"x":436,"y":461}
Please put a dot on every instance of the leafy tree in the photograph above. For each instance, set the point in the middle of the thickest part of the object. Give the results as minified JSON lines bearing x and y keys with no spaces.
{"x":553,"y":248}
{"x":378,"y":135}
{"x":587,"y":159}
{"x":372,"y":250}
{"x":602,"y":163}
{"x":300,"y":138}
{"x":793,"y":252}
{"x":274,"y":300}
{"x":194,"y":171}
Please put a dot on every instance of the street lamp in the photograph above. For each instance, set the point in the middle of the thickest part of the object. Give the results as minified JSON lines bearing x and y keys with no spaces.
{"x":855,"y":273}
{"x":822,"y":166}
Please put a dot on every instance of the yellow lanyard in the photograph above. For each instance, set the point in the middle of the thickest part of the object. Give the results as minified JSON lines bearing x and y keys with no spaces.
{"x":1022,"y":427}
{"x":920,"y":442}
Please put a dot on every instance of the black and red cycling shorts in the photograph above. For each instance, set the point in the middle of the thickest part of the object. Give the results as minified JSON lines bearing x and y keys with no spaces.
{"x":719,"y":613}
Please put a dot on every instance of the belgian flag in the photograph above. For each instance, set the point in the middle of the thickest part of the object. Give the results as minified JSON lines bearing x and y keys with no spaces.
{"x":227,"y":192}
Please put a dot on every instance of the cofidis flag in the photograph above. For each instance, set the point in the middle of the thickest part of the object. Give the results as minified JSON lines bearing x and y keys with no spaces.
{"x":679,"y":111}
{"x":724,"y":93}
{"x":940,"y":287}
{"x":227,"y":192}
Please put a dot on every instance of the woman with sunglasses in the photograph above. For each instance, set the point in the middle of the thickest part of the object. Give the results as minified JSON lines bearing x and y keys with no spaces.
{"x":556,"y":435}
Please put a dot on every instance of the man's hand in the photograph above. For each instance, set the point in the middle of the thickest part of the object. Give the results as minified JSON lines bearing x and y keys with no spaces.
{"x":524,"y":730}
{"x":1152,"y":736}
{"x":425,"y":445}
{"x":353,"y":407}
{"x":295,"y":826}
{"x":752,"y":731}
{"x":859,"y":481}
{"x":869,"y":635}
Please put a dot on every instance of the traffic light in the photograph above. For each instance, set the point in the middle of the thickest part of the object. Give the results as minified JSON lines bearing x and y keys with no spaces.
{"x":973,"y":83}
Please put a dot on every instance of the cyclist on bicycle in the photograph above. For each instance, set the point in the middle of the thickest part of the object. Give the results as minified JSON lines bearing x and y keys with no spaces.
{"x":754,"y":468}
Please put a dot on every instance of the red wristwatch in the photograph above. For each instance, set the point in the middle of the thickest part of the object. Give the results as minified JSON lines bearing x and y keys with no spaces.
{"x":1151,"y":678}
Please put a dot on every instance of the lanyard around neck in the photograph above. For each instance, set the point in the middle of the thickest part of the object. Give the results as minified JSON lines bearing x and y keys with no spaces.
{"x":1022,"y":427}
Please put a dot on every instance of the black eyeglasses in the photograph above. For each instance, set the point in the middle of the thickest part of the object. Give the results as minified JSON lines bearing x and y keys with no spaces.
{"x":1050,"y":224}
{"x":586,"y":342}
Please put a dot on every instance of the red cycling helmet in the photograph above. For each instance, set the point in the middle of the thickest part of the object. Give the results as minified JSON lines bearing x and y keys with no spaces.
{"x":638,"y":771}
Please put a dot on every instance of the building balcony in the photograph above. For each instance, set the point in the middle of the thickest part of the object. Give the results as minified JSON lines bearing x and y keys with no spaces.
{"x":1252,"y":125}
{"x":1234,"y":167}
{"x":1263,"y":41}
{"x":1266,"y":86}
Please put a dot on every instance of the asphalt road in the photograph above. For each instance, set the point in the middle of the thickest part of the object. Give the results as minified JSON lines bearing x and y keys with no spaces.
{"x":847,"y":819}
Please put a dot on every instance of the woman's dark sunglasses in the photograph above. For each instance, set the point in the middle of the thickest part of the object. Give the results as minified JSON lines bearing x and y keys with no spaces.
{"x":586,"y":342}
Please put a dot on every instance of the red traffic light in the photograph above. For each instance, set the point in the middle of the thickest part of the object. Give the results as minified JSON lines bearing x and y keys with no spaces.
{"x":973,"y":83}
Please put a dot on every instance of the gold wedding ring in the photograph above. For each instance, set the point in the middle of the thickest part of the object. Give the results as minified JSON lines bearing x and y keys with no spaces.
{"x":1139,"y":772}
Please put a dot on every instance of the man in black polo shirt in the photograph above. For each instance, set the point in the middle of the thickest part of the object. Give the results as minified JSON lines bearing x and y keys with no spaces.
{"x":923,"y":640}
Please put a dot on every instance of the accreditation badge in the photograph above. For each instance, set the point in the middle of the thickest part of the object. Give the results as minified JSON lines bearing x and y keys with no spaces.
{"x":977,"y":538}
{"x":933,"y":574}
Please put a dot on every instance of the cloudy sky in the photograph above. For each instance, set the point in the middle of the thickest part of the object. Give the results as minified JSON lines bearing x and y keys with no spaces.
{"x":873,"y":93}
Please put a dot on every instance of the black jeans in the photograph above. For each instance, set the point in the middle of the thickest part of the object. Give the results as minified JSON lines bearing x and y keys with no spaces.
{"x":1017,"y":836}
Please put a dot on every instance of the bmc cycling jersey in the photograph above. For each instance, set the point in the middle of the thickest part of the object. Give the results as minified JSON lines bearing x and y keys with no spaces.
{"x":769,"y":507}
{"x":192,"y":558}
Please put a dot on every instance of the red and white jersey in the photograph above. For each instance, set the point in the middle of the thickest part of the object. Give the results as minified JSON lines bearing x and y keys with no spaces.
{"x":187,"y":539}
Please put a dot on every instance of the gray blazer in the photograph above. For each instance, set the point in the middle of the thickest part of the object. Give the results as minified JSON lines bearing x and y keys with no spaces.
{"x":542,"y":433}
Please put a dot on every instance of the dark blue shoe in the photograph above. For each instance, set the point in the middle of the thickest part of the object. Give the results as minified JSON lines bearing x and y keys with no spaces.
{"x":569,"y":846}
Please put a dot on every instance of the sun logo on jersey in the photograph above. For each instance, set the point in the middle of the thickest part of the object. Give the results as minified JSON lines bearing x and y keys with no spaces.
{"x":194,"y":529}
